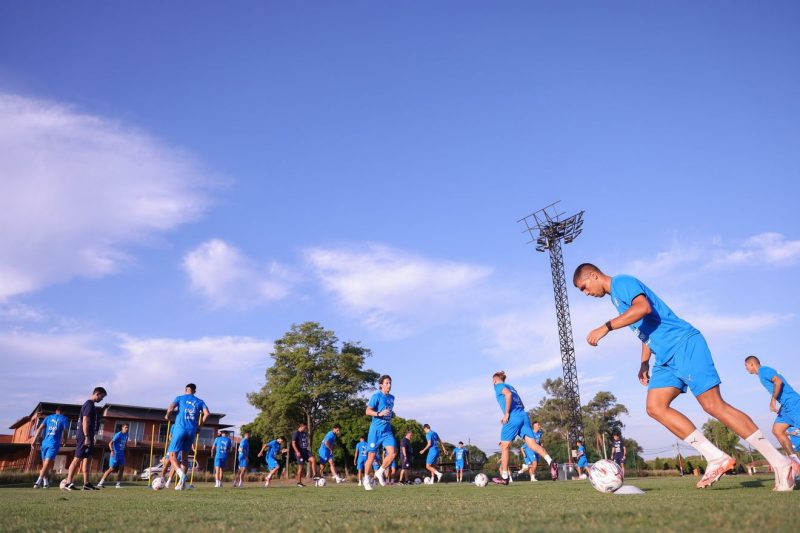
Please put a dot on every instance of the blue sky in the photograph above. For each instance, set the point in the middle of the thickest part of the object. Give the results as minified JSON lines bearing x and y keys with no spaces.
{"x":178,"y":185}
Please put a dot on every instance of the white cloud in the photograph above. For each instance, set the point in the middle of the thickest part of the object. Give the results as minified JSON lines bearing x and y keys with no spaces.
{"x":226,"y":278}
{"x":766,"y":248}
{"x":77,"y":190}
{"x":390,"y":288}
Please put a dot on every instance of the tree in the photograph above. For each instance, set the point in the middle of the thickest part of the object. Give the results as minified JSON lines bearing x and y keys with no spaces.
{"x":310,"y":380}
{"x":724,"y":438}
{"x":601,"y":418}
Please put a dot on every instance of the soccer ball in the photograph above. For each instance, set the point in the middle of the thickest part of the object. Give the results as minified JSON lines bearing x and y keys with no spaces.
{"x":417,"y":481}
{"x":158,"y":483}
{"x":63,"y":483}
{"x":321,"y":482}
{"x":481,"y":480}
{"x":428,"y":480}
{"x":605,"y":476}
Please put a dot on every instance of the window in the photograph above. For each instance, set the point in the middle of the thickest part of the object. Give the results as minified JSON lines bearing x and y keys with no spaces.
{"x":135,"y":430}
{"x":73,"y":429}
{"x":162,"y":433}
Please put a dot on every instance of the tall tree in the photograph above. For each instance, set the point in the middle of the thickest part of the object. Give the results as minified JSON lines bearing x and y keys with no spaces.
{"x":601,"y":419}
{"x":310,"y":378}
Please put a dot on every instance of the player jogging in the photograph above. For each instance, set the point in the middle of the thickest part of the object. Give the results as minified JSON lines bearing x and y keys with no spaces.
{"x":326,"y":453}
{"x":406,"y":456}
{"x":360,"y":457}
{"x":242,"y":459}
{"x":529,"y":457}
{"x":116,"y":461}
{"x":301,"y":453}
{"x":191,"y":413}
{"x":219,"y":450}
{"x":785,"y":403}
{"x":583,"y":461}
{"x":381,"y":408}
{"x":55,"y":427}
{"x":515,"y":422}
{"x":682,"y":359}
{"x":272,"y":449}
{"x":84,"y":440}
{"x":433,"y":442}
{"x":618,"y":451}
{"x":460,"y":455}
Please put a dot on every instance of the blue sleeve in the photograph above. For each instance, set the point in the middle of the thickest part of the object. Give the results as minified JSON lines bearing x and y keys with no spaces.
{"x":115,"y":438}
{"x":373,"y":402}
{"x":767,"y":373}
{"x":177,"y":401}
{"x":428,"y":436}
{"x":628,"y":288}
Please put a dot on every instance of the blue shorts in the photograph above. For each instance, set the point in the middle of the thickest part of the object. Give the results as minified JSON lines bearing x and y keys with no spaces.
{"x":378,"y":437}
{"x":360,"y":464}
{"x":789,"y":413}
{"x":325,"y":454}
{"x":691,"y":366}
{"x":242,"y":461}
{"x":272,"y":464}
{"x":518,"y":425}
{"x":116,"y":463}
{"x":49,"y":450}
{"x":583,"y":462}
{"x":530,"y":459}
{"x":220,"y":460}
{"x":433,"y":454}
{"x":182,"y":440}
{"x":459,"y":465}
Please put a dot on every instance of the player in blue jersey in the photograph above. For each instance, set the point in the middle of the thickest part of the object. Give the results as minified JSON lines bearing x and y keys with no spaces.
{"x":381,"y":408}
{"x":461,"y":458}
{"x":360,"y":458}
{"x":391,"y":471}
{"x":432,"y":445}
{"x":515,"y":422}
{"x":618,"y":451}
{"x":191,"y":413}
{"x":272,"y":449}
{"x":116,"y":461}
{"x":784,"y":401}
{"x":326,"y":453}
{"x":219,"y":450}
{"x":530,"y":458}
{"x":55,"y":428}
{"x":88,"y":424}
{"x":582,"y":460}
{"x":242,"y":460}
{"x":682,"y":360}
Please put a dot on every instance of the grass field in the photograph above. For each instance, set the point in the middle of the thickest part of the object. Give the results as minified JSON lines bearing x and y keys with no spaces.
{"x":736,"y":503}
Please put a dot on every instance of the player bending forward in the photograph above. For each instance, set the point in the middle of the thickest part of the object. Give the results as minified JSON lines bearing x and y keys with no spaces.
{"x":273,"y":448}
{"x":326,"y":453}
{"x":381,"y":408}
{"x":55,"y":429}
{"x":682,"y":359}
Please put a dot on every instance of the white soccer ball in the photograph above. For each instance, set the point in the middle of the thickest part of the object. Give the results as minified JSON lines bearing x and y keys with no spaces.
{"x":158,"y":483}
{"x":321,"y":482}
{"x":63,"y":483}
{"x":481,"y":480}
{"x":605,"y":476}
{"x":428,"y":480}
{"x":417,"y":481}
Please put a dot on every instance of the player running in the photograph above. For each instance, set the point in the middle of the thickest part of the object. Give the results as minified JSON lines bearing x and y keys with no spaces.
{"x":360,"y":458}
{"x":273,"y":448}
{"x":55,"y":427}
{"x":682,"y":359}
{"x":116,"y":461}
{"x":84,"y":440}
{"x":242,"y":459}
{"x":301,"y":453}
{"x":460,"y":455}
{"x":433,"y":442}
{"x":582,"y":460}
{"x":618,"y":451}
{"x":381,"y":408}
{"x":326,"y":453}
{"x":220,"y":448}
{"x":516,"y":423}
{"x":191,"y":413}
{"x":529,"y":457}
{"x":406,"y":456}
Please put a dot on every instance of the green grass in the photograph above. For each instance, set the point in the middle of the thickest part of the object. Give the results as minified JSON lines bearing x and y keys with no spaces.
{"x":673,"y":504}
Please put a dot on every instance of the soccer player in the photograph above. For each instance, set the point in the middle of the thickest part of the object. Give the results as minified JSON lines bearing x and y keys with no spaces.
{"x":191,"y":413}
{"x":406,"y":456}
{"x":55,"y":427}
{"x":84,"y":440}
{"x":243,"y":458}
{"x":531,"y":458}
{"x":360,"y":457}
{"x":583,"y":461}
{"x":515,"y":422}
{"x":682,"y":359}
{"x":301,"y":453}
{"x":220,"y":448}
{"x":392,"y":467}
{"x":460,"y":455}
{"x":272,"y":449}
{"x":116,"y":462}
{"x":433,"y":442}
{"x":618,"y":451}
{"x":381,"y":408}
{"x":326,"y":453}
{"x":788,"y":412}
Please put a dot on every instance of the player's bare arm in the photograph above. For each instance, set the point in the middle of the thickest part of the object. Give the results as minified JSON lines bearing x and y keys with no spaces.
{"x":170,"y":409}
{"x":507,"y":394}
{"x":644,"y":368}
{"x":640,"y":307}
{"x":776,"y":391}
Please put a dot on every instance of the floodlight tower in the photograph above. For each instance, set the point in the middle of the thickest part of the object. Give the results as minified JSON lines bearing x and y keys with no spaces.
{"x":547,"y":228}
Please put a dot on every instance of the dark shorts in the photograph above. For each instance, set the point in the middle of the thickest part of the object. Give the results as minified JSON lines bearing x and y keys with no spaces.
{"x":83,"y":449}
{"x":405,"y":465}
{"x":302,"y":457}
{"x":618,"y":459}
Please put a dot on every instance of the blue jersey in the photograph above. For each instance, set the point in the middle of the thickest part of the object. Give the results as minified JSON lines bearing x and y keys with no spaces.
{"x":661,"y":330}
{"x":244,"y":447}
{"x":54,"y":427}
{"x":433,"y":438}
{"x":765,"y":374}
{"x":189,"y":409}
{"x":459,"y":454}
{"x":516,"y":401}
{"x":581,"y":451}
{"x":378,"y":403}
{"x":528,"y":452}
{"x":222,"y":446}
{"x":794,"y":437}
{"x":537,"y":436}
{"x":273,"y":448}
{"x":118,"y":442}
{"x":330,"y":438}
{"x":361,"y":450}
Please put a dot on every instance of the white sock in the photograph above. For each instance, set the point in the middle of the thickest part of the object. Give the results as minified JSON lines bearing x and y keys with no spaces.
{"x":379,"y":471}
{"x":504,"y":475}
{"x":698,"y":441}
{"x":770,"y":453}
{"x":548,"y":459}
{"x":39,"y":480}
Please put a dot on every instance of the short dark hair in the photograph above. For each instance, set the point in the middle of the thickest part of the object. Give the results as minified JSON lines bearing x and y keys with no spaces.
{"x":460,"y":442}
{"x":301,"y":424}
{"x":337,"y":426}
{"x":126,"y":425}
{"x":280,"y":437}
{"x":583,"y":267}
{"x":752,"y":358}
{"x":384,"y":378}
{"x":535,"y":421}
{"x":100,"y":390}
{"x":58,"y":409}
{"x":426,"y":426}
{"x":191,"y":386}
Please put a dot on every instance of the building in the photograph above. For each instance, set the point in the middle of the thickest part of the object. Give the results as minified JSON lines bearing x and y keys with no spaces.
{"x":147,"y":430}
